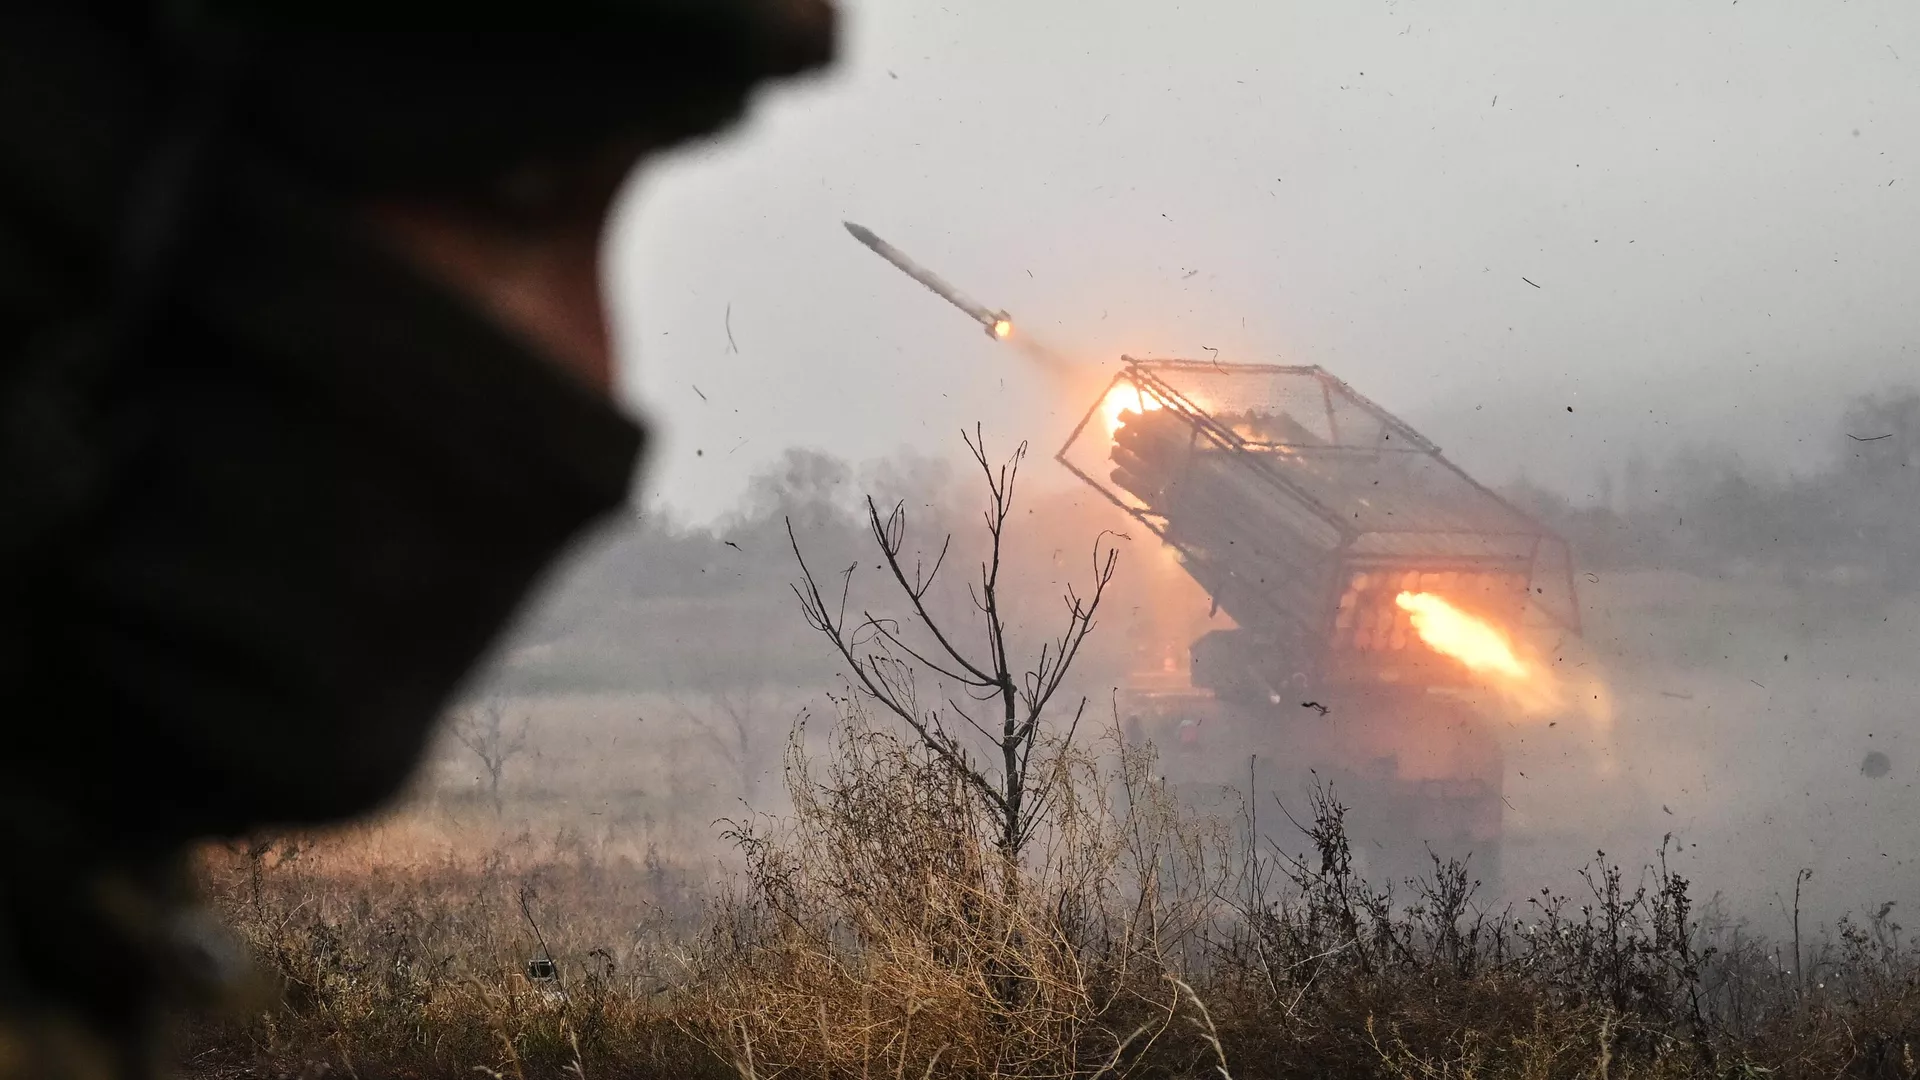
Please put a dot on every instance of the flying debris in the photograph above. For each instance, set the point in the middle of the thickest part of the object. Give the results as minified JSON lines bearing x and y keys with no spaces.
{"x":998,"y":324}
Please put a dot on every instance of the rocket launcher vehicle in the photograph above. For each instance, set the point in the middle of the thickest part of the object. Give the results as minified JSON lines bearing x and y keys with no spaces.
{"x":1336,"y":537}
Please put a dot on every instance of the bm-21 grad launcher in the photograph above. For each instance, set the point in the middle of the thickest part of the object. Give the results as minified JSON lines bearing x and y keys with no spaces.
{"x":1324,"y":527}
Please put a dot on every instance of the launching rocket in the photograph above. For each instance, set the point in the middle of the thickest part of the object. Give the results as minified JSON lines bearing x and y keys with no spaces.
{"x":999,"y":324}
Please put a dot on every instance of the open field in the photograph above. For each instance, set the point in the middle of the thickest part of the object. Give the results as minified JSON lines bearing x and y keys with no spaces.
{"x":1741,"y":714}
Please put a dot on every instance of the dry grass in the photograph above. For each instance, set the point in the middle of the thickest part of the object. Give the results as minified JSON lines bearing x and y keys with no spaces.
{"x":880,"y":928}
{"x":876,"y":931}
{"x":396,"y":969}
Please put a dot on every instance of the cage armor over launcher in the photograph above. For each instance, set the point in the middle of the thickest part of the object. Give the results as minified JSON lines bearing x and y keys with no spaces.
{"x":1319,"y":524}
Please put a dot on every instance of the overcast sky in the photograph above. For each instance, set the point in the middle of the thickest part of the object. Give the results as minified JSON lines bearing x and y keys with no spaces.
{"x":1716,"y":204}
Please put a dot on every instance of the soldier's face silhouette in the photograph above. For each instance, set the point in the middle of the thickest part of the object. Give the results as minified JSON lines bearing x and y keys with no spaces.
{"x":528,"y":253}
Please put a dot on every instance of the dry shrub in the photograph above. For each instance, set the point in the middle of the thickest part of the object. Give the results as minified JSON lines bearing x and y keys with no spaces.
{"x":881,"y":928}
{"x":419,"y":967}
{"x":1328,"y":974}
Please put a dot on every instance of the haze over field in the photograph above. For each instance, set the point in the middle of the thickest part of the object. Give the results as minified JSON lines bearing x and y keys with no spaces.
{"x":1715,"y":202}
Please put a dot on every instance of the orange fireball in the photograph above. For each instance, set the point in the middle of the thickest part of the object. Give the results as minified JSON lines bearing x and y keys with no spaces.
{"x":1483,"y":647}
{"x":1125,"y":397}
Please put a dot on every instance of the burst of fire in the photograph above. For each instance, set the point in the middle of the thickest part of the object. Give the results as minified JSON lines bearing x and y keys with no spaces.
{"x":1002,"y":329}
{"x":1124,"y":397}
{"x":1537,"y":690}
{"x":1483,"y":647}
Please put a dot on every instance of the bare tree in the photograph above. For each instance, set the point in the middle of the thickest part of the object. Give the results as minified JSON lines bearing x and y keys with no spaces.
{"x":741,"y":723}
{"x":885,"y":655}
{"x":485,"y":733}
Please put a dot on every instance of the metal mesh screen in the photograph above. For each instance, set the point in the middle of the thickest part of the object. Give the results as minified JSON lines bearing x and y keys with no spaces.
{"x":1290,"y":468}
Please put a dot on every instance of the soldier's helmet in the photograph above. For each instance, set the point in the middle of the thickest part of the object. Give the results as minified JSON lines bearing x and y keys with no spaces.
{"x":432,"y":109}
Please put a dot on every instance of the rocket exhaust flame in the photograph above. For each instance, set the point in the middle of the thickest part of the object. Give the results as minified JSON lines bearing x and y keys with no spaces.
{"x":1536,"y":690}
{"x":1484,"y":648}
{"x":1124,"y":397}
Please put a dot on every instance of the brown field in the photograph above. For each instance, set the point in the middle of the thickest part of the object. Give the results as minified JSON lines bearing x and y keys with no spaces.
{"x":718,"y":906}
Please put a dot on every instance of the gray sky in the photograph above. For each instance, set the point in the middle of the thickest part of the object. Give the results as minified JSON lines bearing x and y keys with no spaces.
{"x":1715,"y":201}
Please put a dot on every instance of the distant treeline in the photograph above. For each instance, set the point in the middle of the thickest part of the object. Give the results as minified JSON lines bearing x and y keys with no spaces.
{"x":661,"y":604}
{"x":1848,"y":516}
{"x":656,"y":557}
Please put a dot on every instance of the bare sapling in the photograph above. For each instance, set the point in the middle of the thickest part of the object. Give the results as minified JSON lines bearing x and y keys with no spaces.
{"x":992,"y":710}
{"x":485,"y":732}
{"x":743,"y":722}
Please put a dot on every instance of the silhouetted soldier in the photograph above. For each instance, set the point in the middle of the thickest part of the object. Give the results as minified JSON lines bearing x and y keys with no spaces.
{"x":302,"y":384}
